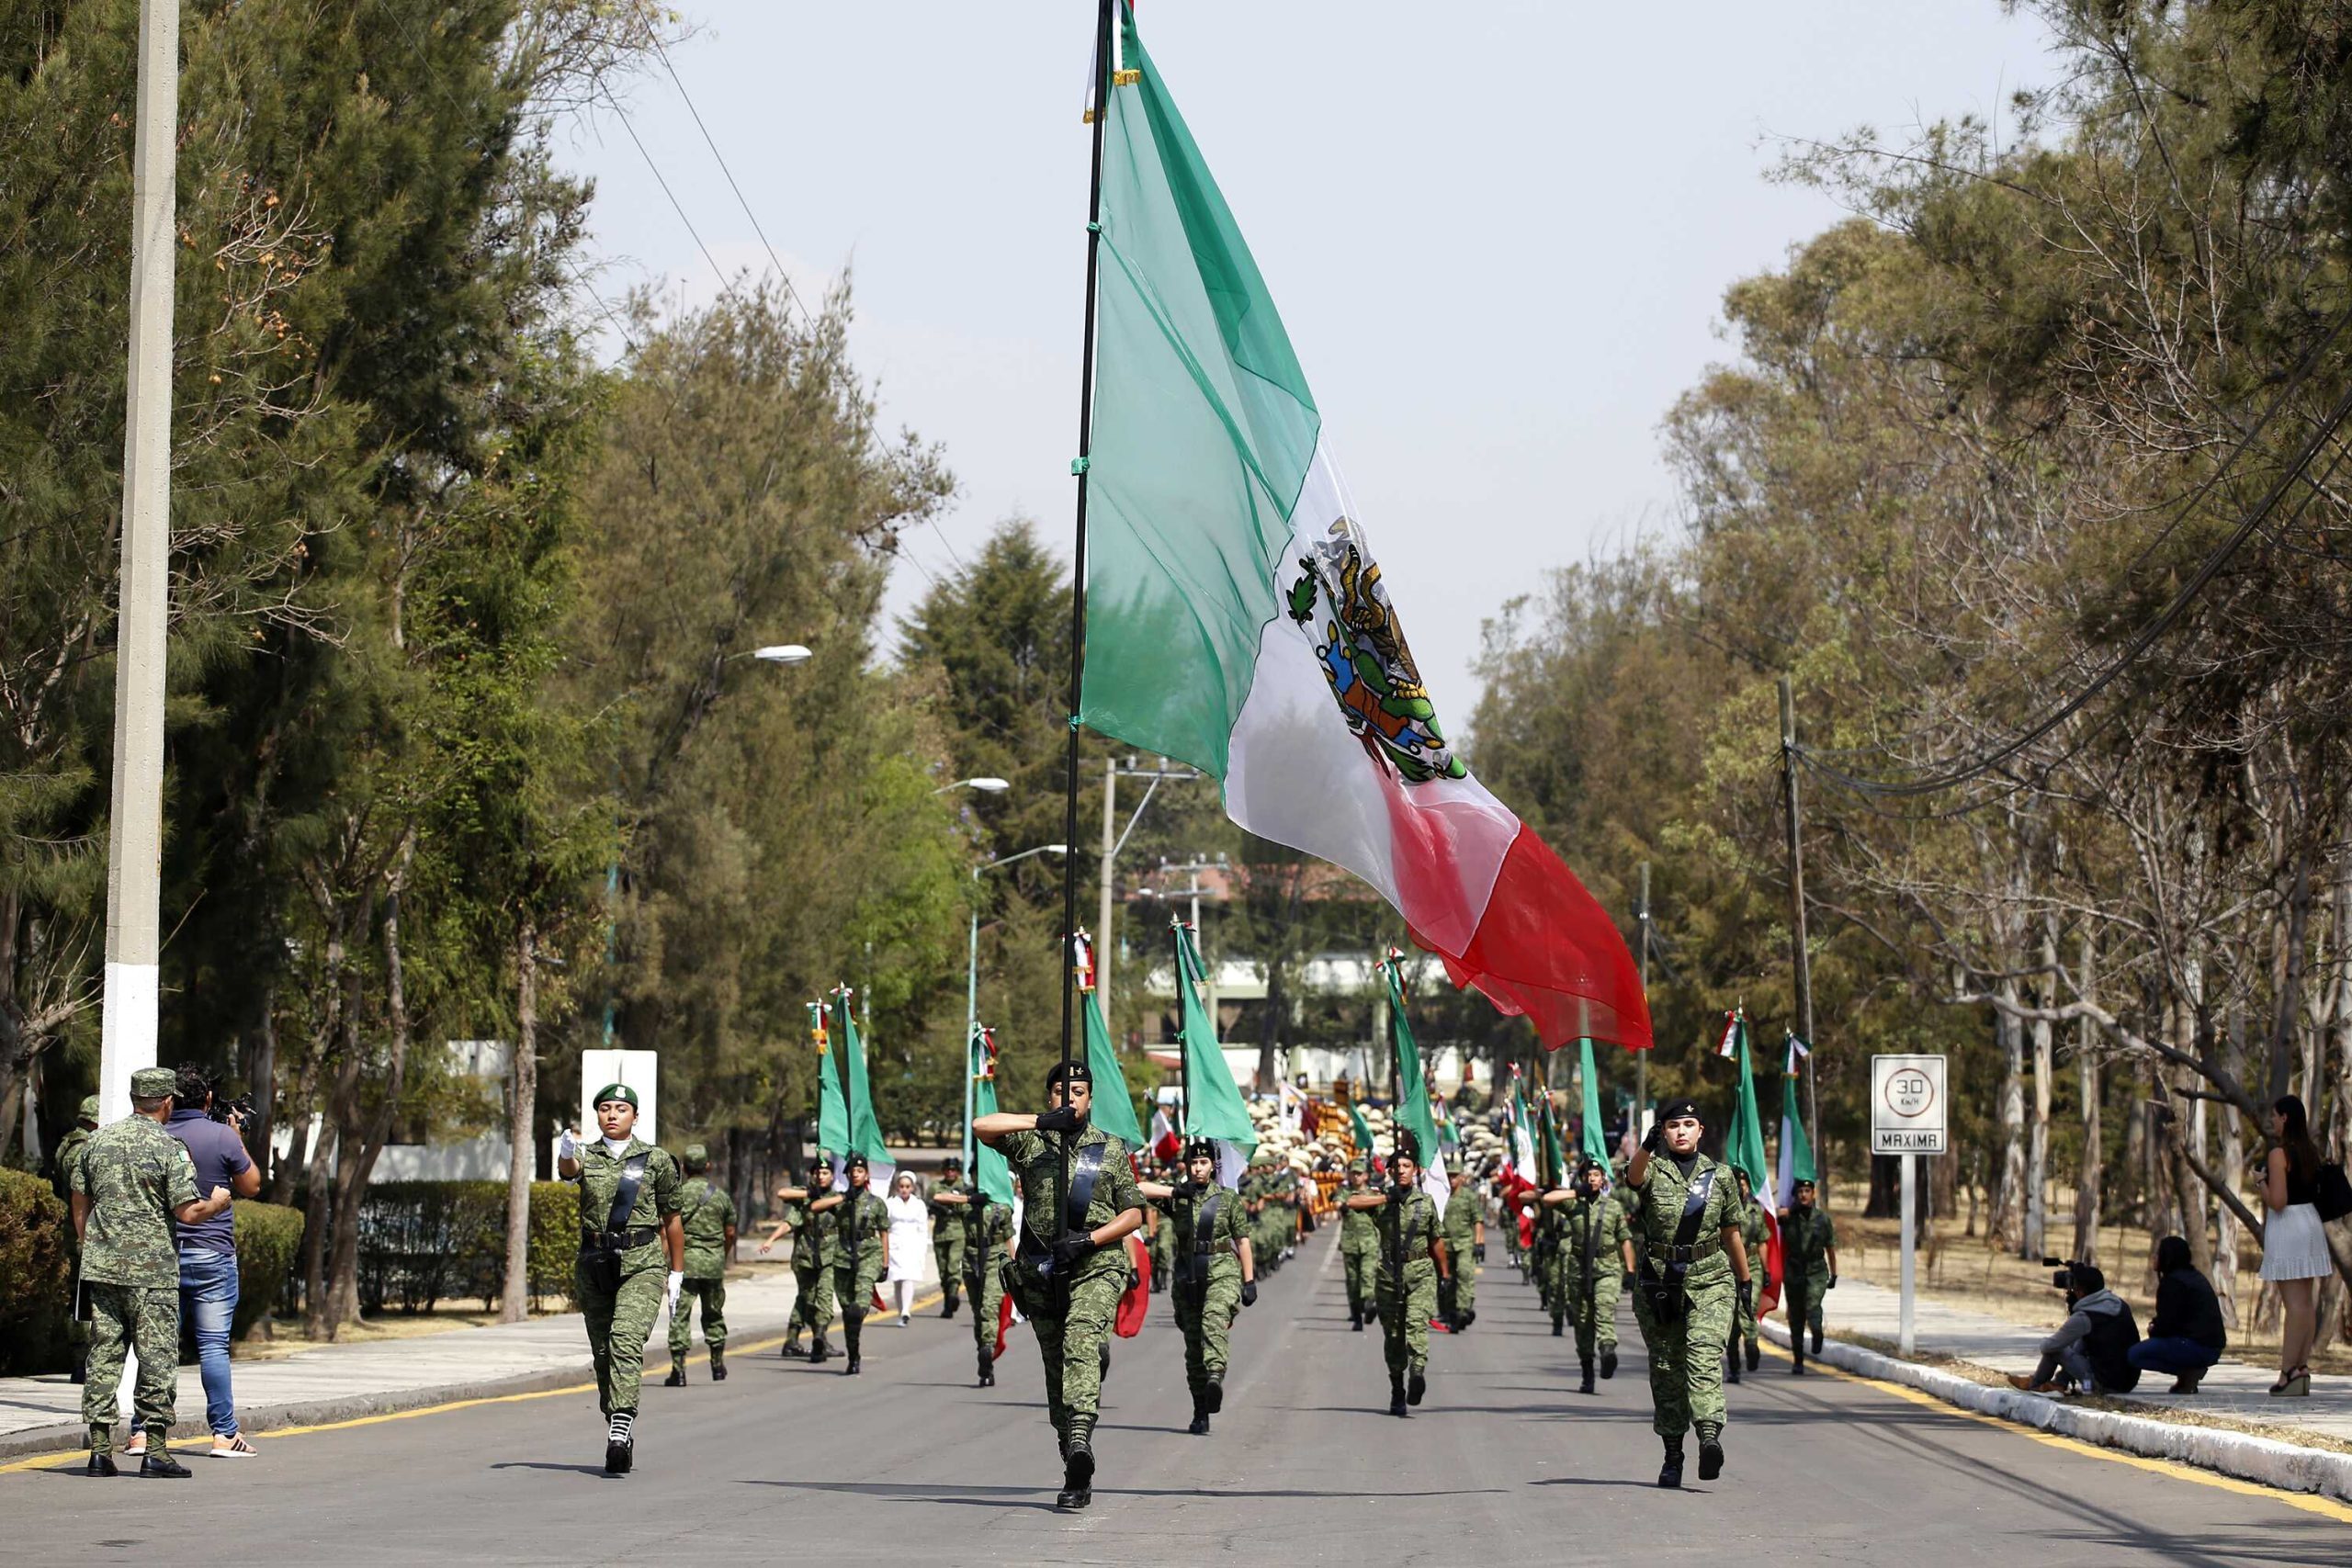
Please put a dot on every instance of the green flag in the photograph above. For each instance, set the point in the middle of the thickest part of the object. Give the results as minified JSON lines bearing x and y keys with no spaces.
{"x":1213,"y":1106}
{"x":1412,"y":1090}
{"x":995,"y":1176}
{"x":1595,"y":1141}
{"x":1115,"y":1107}
{"x":1796,"y":1152}
{"x":833,"y":1112}
{"x":865,"y":1127}
{"x":1555,"y":1154}
{"x":1363,"y":1130}
{"x":1744,"y":1149}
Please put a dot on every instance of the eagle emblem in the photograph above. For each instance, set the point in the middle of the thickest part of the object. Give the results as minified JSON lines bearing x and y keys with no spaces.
{"x":1365,"y":657}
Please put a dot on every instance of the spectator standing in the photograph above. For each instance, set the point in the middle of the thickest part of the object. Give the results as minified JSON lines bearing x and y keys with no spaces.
{"x":133,"y":1181}
{"x":2294,"y":1246}
{"x":208,"y":1256}
{"x":2187,"y":1336}
{"x":910,"y":1239}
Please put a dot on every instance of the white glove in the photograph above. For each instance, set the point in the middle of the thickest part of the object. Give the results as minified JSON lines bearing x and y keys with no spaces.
{"x":670,"y":1289}
{"x":566,"y":1147}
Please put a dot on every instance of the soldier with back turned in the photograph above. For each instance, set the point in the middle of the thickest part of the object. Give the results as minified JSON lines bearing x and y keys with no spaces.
{"x":131,"y":1183}
{"x":707,"y":1216}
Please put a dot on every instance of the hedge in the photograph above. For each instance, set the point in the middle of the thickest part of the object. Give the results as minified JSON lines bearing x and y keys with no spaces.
{"x":424,"y":1242}
{"x":269,"y":1245}
{"x":35,"y":1275}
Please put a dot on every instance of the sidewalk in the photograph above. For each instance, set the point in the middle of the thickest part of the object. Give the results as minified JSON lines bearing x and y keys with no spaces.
{"x":2288,"y":1449}
{"x":336,"y":1382}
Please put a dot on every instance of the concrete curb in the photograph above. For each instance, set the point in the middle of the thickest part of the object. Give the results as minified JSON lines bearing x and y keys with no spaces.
{"x":259,"y":1420}
{"x":2288,"y":1466}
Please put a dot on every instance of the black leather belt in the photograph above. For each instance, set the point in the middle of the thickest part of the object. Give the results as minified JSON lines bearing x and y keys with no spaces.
{"x":618,"y":1241}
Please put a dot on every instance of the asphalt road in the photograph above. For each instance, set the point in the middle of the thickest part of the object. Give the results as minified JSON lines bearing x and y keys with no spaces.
{"x":1505,"y":1463}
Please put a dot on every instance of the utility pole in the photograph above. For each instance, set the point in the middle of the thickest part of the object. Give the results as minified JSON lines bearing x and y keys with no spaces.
{"x":1642,"y":1058}
{"x":1114,"y":841}
{"x":135,"y":822}
{"x":1800,"y":961}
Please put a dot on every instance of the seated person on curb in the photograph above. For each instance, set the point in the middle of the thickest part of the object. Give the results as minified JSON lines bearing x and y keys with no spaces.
{"x":2186,"y":1336}
{"x":2091,"y":1351}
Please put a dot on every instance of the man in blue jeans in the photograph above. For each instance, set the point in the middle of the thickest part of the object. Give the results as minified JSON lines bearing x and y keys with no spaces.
{"x":2187,"y":1336}
{"x":208,"y":1255}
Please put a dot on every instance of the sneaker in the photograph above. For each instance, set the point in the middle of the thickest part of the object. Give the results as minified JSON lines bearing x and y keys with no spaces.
{"x":234,"y":1446}
{"x":135,"y":1448}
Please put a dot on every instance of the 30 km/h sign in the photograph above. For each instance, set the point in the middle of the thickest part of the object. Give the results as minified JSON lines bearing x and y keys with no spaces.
{"x":1907,"y":1105}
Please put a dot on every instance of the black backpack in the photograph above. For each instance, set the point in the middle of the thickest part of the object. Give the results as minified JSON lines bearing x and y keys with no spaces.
{"x":2333,"y":1198}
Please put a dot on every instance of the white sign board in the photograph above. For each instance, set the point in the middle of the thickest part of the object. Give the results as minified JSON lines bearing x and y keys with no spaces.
{"x":634,"y":1068}
{"x":1908,"y":1104}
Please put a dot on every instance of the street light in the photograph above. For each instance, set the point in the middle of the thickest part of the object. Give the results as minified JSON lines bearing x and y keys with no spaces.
{"x":985,"y":786}
{"x":781,"y":653}
{"x":972,"y":979}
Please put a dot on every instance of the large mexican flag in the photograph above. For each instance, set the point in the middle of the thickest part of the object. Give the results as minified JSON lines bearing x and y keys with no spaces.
{"x":1237,"y":617}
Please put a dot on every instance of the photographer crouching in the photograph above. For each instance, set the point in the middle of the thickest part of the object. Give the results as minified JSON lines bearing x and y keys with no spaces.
{"x":2091,"y":1351}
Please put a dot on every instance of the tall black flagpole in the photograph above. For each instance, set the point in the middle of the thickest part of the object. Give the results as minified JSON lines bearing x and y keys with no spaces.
{"x":1077,"y":574}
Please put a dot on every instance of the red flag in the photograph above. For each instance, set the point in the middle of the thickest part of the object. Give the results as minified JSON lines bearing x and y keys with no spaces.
{"x":1137,"y":1298}
{"x":1769,"y":1296}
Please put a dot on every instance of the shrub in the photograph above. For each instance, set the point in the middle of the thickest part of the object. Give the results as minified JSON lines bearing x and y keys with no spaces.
{"x":270,"y":1243}
{"x":35,"y":1275}
{"x":424,"y":1242}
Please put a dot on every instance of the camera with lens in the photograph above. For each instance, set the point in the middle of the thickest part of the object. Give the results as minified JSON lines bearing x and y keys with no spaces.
{"x":233,"y":1112}
{"x":2064,"y":1277}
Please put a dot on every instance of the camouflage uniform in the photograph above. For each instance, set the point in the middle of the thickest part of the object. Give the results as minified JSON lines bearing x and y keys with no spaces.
{"x":1543,"y":1261}
{"x":1071,"y":1316}
{"x":1408,"y":1236}
{"x":816,"y":1248}
{"x":1687,"y":1350}
{"x":1806,"y":1237}
{"x":984,"y":1265}
{"x":136,"y":1177}
{"x":1359,"y":1255}
{"x":949,"y":1228}
{"x":69,"y":1153}
{"x":1754,"y":1232}
{"x":862,"y":1222}
{"x":1587,"y":1270}
{"x":1464,"y":1210}
{"x":708,"y":1213}
{"x":1159,"y":1238}
{"x":620,"y":1321}
{"x":1205,"y":1283}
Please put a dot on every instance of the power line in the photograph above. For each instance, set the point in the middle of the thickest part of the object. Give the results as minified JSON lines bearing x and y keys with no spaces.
{"x":2146,"y":638}
{"x":676,"y":204}
{"x":653,"y":33}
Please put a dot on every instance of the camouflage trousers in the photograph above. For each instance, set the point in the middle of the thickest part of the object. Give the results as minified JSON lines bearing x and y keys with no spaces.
{"x":713,"y":1295}
{"x":1801,"y":1295}
{"x":1072,"y":1339}
{"x":620,"y":1323}
{"x":1404,"y":1318}
{"x":985,"y":1277}
{"x":1593,"y":1312}
{"x":812,"y":1301}
{"x":1543,"y":1268}
{"x":1466,"y":1273}
{"x":1360,"y":1266}
{"x":947,"y":1252}
{"x":854,"y":1283}
{"x":145,"y":1318}
{"x":1205,"y":1314}
{"x":1686,"y":1355}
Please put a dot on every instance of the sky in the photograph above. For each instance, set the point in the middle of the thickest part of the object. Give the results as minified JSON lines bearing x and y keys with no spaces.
{"x":1499,"y":234}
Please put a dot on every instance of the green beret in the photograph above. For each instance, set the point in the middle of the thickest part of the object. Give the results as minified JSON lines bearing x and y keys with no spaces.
{"x":89,"y":1108}
{"x":153,"y":1083}
{"x":1359,"y":1168}
{"x":697,"y":1156}
{"x":615,"y":1091}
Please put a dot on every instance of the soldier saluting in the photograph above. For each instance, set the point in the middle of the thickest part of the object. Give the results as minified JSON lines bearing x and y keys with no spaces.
{"x":1691,"y":1275}
{"x":1412,"y":1262}
{"x":130,"y":1182}
{"x":988,"y":1233}
{"x":862,"y":1227}
{"x":1214,"y":1272}
{"x":816,"y":1248}
{"x":1591,"y":1253}
{"x":1068,"y":1269}
{"x":632,"y":1256}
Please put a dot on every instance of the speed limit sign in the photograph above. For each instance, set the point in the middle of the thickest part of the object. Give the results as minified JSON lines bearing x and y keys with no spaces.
{"x":1907,"y":1105}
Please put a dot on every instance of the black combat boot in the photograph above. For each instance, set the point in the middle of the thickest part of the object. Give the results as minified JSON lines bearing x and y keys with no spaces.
{"x":1078,"y":1466}
{"x":1396,"y":1395}
{"x":1755,"y":1355}
{"x":792,"y":1346}
{"x":101,"y":1463}
{"x":1671,"y":1472}
{"x":1213,"y":1396}
{"x":852,"y":1327}
{"x":987,"y":1368}
{"x":1711,"y":1452}
{"x":620,"y":1442}
{"x":1585,"y":1364}
{"x":1355,"y":1318}
{"x":1200,"y":1427}
{"x":954,"y":1297}
{"x":1416,"y":1387}
{"x":1557,"y":1325}
{"x":820,"y":1352}
{"x":1796,"y":1355}
{"x":1608,"y":1361}
{"x":1731,"y":1366}
{"x":1816,"y":1334}
{"x":719,"y":1363}
{"x":677,"y":1378}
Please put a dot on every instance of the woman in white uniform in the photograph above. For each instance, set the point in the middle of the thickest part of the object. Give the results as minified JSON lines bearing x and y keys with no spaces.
{"x":909,"y":1244}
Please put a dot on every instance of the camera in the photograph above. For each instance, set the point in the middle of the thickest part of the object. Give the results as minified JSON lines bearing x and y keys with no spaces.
{"x":2062,"y":1278}
{"x":233,"y":1112}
